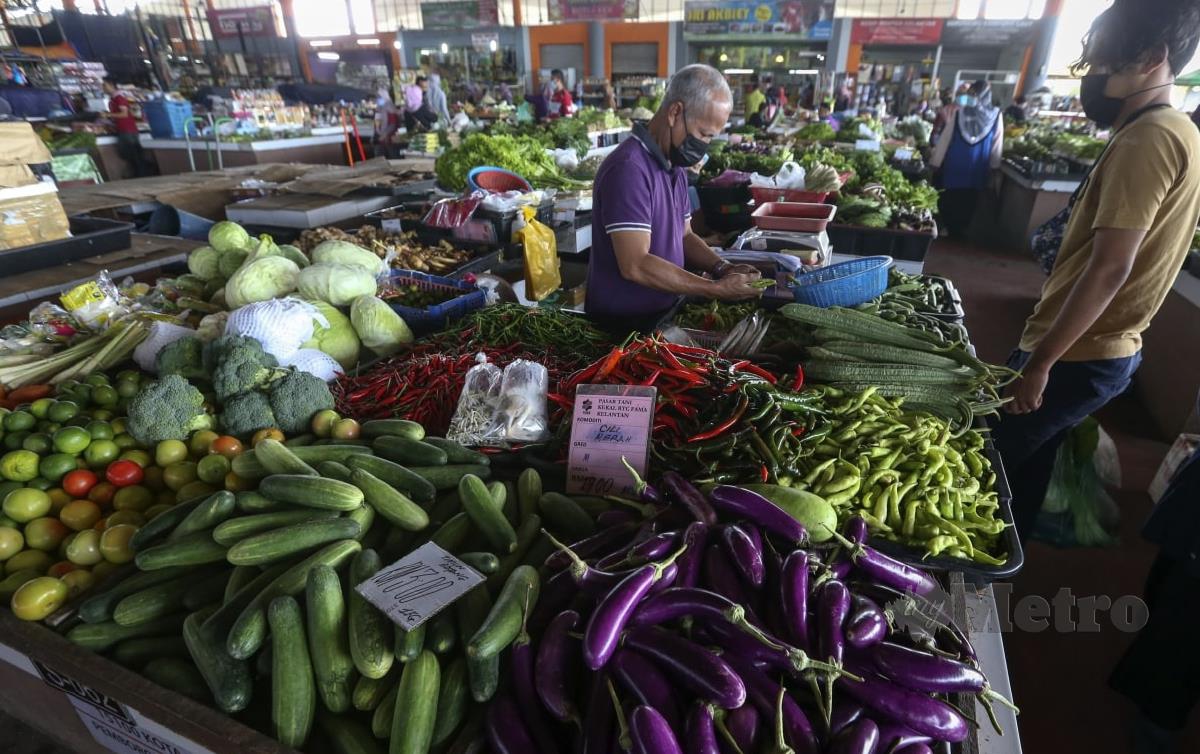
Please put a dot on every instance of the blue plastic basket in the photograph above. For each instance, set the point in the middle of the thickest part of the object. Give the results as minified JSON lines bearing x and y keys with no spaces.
{"x":167,"y":118}
{"x":436,"y":317}
{"x":843,"y":284}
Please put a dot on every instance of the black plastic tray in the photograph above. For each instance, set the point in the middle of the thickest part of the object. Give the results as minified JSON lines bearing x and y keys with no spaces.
{"x":908,"y":245}
{"x":89,"y":237}
{"x":957,"y":313}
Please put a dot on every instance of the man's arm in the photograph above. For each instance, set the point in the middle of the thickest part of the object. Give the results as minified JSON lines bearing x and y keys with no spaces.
{"x":638,"y":265}
{"x":697,"y":254}
{"x":1113,"y":252}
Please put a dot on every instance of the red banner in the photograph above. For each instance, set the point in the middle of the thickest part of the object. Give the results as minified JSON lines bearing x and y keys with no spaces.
{"x":896,"y":31}
{"x":229,"y":23}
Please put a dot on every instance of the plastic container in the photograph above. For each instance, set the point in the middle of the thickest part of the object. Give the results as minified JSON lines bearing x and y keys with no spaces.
{"x":436,"y":317}
{"x":496,"y":180}
{"x":843,"y":284}
{"x":797,"y":217}
{"x":911,"y":246}
{"x":171,"y":221}
{"x":765,"y":195}
{"x":90,"y":236}
{"x":167,"y":118}
{"x":954,"y":312}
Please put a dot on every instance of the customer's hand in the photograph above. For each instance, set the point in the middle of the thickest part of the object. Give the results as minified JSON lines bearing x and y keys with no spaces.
{"x":736,"y":287}
{"x":1027,"y":390}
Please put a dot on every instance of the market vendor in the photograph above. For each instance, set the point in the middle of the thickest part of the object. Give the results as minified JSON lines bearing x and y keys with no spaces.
{"x":644,"y":252}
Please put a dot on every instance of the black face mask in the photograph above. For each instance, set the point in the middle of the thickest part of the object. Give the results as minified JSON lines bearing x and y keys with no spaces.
{"x":1097,"y":105}
{"x":690,"y":151}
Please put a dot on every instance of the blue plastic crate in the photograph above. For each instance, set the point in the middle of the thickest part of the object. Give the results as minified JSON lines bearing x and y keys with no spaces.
{"x":167,"y":118}
{"x":844,"y":284}
{"x":436,"y":317}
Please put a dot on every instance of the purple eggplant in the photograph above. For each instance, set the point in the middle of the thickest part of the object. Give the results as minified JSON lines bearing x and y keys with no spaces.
{"x":765,"y":650}
{"x":861,"y":737}
{"x":840,"y":569}
{"x":746,"y":558}
{"x":743,"y":726}
{"x":763,"y":693}
{"x":893,"y":736}
{"x":794,"y":593}
{"x":681,"y":602}
{"x":666,"y":581}
{"x":866,"y":624}
{"x":608,"y":620}
{"x":556,"y":594}
{"x":692,"y":559}
{"x":599,"y":543}
{"x":505,"y":730}
{"x":888,"y":570}
{"x":701,"y":731}
{"x":935,"y":674}
{"x":920,"y":712}
{"x":645,"y":491}
{"x":525,"y":693}
{"x":752,"y":506}
{"x":599,"y":719}
{"x":654,"y":547}
{"x":615,"y":517}
{"x":703,"y":672}
{"x":682,"y":491}
{"x":833,"y":605}
{"x":914,"y":748}
{"x":650,"y":732}
{"x":944,"y":635}
{"x":721,"y":577}
{"x":552,"y":680}
{"x":856,"y":530}
{"x":645,"y":681}
{"x":844,"y":713}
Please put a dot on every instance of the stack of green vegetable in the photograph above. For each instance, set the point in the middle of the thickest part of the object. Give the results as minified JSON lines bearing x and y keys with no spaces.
{"x":912,"y":299}
{"x":523,"y":155}
{"x":816,"y":132}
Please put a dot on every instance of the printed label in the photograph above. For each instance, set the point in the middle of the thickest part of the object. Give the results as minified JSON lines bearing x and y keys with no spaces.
{"x":610,"y":422}
{"x":420,"y":585}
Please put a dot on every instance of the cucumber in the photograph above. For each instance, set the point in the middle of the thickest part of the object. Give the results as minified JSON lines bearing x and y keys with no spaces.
{"x":483,"y":674}
{"x":163,"y":523}
{"x":489,"y":519}
{"x":254,"y":502}
{"x":194,"y":549}
{"x":470,"y":611}
{"x":498,"y":493}
{"x":454,"y":697}
{"x":277,"y":544}
{"x":416,"y":706}
{"x":293,"y":692}
{"x":398,"y":427}
{"x":328,"y":640}
{"x":223,"y":618}
{"x":134,"y":653}
{"x":234,"y":530}
{"x":347,"y":735}
{"x":151,"y":602}
{"x":208,"y":590}
{"x":334,"y":470}
{"x":277,"y":458}
{"x":409,"y":643}
{"x":371,"y":633}
{"x":564,"y":517}
{"x":99,"y":637}
{"x":503,"y":622}
{"x":447,"y":477}
{"x":312,"y":492}
{"x":529,"y":492}
{"x":484,"y":562}
{"x":178,"y":675}
{"x":381,"y":719}
{"x":447,"y":505}
{"x":369,"y":692}
{"x":452,"y":535}
{"x":99,"y":607}
{"x":211,"y":511}
{"x":365,"y":516}
{"x":300,"y":441}
{"x":238,"y":578}
{"x":388,"y":502}
{"x":458,"y":453}
{"x":529,"y":532}
{"x":417,"y":487}
{"x":248,"y":465}
{"x":408,"y":452}
{"x":504,"y":494}
{"x":228,"y":679}
{"x":442,"y":634}
{"x":250,"y":629}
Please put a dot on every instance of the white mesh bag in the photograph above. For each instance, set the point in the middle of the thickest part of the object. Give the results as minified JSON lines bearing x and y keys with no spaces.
{"x":281,"y":325}
{"x":314,"y":362}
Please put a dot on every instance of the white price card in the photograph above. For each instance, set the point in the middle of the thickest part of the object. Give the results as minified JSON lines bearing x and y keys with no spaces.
{"x":867,"y":145}
{"x":610,"y":426}
{"x":420,"y":585}
{"x":904,"y":154}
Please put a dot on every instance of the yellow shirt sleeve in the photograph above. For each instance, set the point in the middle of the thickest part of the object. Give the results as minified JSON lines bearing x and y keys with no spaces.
{"x":1141,"y":168}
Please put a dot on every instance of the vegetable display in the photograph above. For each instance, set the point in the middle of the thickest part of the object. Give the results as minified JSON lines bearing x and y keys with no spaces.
{"x":522,"y":155}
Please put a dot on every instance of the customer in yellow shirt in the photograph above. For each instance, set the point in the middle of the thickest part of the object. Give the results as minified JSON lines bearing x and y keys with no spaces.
{"x":754,"y":99}
{"x":1130,"y":228}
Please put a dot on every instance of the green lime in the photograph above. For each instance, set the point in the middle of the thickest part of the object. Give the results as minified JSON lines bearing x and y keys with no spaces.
{"x":26,"y":504}
{"x":39,"y":407}
{"x":40,"y":483}
{"x":127,"y":388}
{"x":56,"y":466}
{"x":14,"y":440}
{"x":72,"y":440}
{"x":131,"y":375}
{"x":38,"y":442}
{"x":100,"y":430}
{"x":101,"y":453}
{"x":212,"y":469}
{"x":62,"y":411}
{"x":125,"y":441}
{"x":105,"y":395}
{"x":96,"y":379}
{"x":16,"y":421}
{"x":102,"y":415}
{"x":80,"y":420}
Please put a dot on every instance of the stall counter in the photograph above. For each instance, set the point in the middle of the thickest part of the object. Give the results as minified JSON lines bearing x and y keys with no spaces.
{"x":1025,"y":204}
{"x":325,"y":146}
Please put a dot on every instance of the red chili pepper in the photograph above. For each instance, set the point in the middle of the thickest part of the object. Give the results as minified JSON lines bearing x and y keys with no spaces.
{"x":677,"y":348}
{"x":610,"y":363}
{"x":687,"y":376}
{"x":653,"y":377}
{"x":757,"y":370}
{"x":721,"y":428}
{"x":798,"y":382}
{"x":798,"y":431}
{"x":763,"y":473}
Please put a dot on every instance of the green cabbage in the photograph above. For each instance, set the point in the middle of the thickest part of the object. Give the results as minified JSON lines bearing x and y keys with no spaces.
{"x":261,"y":280}
{"x":229,"y":262}
{"x":379,"y":326}
{"x":292,"y":253}
{"x":204,"y":262}
{"x":337,"y":284}
{"x":227,"y":236}
{"x":338,"y":340}
{"x":343,"y":252}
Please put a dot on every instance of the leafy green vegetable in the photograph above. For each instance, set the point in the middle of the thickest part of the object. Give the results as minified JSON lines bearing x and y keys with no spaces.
{"x":523,"y":155}
{"x":816,"y":132}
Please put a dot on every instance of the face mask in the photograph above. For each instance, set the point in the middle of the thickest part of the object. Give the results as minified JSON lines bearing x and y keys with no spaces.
{"x":690,"y":151}
{"x":967,"y":100}
{"x":1097,"y":105}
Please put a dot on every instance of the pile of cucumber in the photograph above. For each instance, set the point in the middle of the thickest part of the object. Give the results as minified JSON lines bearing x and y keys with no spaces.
{"x":245,"y":601}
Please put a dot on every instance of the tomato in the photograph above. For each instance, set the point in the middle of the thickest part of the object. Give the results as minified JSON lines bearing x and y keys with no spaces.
{"x":39,"y":407}
{"x":345,"y":429}
{"x":79,"y":483}
{"x":168,"y":452}
{"x":212,"y":469}
{"x":101,"y":570}
{"x":133,"y":517}
{"x":105,"y":395}
{"x":26,"y":504}
{"x":45,"y":533}
{"x":61,"y":568}
{"x":118,"y":425}
{"x":35,"y":559}
{"x":124,"y":473}
{"x":19,"y":421}
{"x":227,"y":446}
{"x":80,"y":580}
{"x":84,"y":549}
{"x":125,"y":442}
{"x":80,"y":514}
{"x":138,"y":456}
{"x":194,"y":489}
{"x":322,"y":422}
{"x":235,"y":483}
{"x":57,"y":465}
{"x":158,"y":508}
{"x":11,"y":542}
{"x":263,"y":434}
{"x":201,"y":441}
{"x":96,"y":379}
{"x":102,"y":493}
{"x":39,"y":597}
{"x":38,"y":442}
{"x":114,"y":543}
{"x":154,"y":478}
{"x":176,"y":475}
{"x":135,"y":497}
{"x":127,"y":388}
{"x":58,"y":498}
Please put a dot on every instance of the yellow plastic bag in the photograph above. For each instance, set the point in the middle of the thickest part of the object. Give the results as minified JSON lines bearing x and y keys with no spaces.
{"x":542,"y":276}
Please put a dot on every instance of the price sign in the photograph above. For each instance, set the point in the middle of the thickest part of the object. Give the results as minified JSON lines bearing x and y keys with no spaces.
{"x":867,"y":145}
{"x":903,"y":154}
{"x":610,"y":422}
{"x":420,"y":585}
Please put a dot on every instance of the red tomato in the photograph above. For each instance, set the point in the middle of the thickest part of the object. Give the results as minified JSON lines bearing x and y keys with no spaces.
{"x":102,"y":493}
{"x":124,"y":473}
{"x":79,"y":483}
{"x":230,"y":447}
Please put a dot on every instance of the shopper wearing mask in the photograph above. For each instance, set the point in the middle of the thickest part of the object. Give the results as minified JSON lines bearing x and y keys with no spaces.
{"x":436,"y":99}
{"x":967,"y":151}
{"x":644,"y":253}
{"x":1130,"y":227}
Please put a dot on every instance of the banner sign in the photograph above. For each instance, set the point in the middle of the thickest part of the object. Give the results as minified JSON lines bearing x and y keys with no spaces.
{"x":592,"y":10}
{"x":230,"y":23}
{"x":460,"y":14}
{"x":800,"y":19}
{"x":960,"y":33}
{"x":896,"y":31}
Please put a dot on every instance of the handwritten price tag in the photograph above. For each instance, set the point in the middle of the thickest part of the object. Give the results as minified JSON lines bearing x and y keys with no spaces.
{"x":420,"y":585}
{"x":610,"y":422}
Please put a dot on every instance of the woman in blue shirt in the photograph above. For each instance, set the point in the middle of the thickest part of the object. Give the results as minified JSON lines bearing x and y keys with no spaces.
{"x":969,"y":148}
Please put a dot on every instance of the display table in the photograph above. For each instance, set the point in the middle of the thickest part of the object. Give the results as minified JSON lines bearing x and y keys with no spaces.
{"x":325,"y":146}
{"x":1024,"y":204}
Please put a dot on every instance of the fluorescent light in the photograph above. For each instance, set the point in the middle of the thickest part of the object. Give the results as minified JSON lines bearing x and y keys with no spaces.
{"x":445,"y":48}
{"x":329,"y":56}
{"x":804,"y":72}
{"x":321,"y":43}
{"x":368,"y":42}
{"x":724,"y":57}
{"x":398,"y":44}
{"x":779,"y":58}
{"x":493,"y":45}
{"x":737,"y":71}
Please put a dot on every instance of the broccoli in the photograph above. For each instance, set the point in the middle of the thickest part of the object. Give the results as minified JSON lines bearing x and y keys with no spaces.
{"x":245,"y":414}
{"x":295,"y":397}
{"x":183,"y":357}
{"x":168,"y":409}
{"x":242,"y":368}
{"x":216,"y":349}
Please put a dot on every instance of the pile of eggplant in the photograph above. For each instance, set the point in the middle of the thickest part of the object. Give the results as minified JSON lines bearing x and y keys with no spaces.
{"x":711,"y":624}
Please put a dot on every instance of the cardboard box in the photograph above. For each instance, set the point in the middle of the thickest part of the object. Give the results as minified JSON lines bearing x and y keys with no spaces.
{"x":30,"y":215}
{"x":12,"y":176}
{"x":19,"y":145}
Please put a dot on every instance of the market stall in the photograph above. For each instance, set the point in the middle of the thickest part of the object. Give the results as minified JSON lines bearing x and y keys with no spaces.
{"x":1024,"y":203}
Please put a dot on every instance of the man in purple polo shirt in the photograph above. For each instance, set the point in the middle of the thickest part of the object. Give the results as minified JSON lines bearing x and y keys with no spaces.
{"x":642,"y":241}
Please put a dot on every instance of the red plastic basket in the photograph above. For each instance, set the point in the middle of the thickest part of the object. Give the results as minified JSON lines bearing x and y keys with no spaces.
{"x":794,"y":216}
{"x":496,"y":180}
{"x":766,"y":195}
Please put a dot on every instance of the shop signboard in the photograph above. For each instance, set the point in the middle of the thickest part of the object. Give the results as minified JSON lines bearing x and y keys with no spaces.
{"x":802,"y":20}
{"x":592,"y":10}
{"x":231,"y":23}
{"x":484,"y":41}
{"x":961,"y":33}
{"x":896,"y":31}
{"x":459,"y":14}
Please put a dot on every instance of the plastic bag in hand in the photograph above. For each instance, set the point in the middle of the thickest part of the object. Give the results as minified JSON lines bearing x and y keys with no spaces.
{"x":281,"y":325}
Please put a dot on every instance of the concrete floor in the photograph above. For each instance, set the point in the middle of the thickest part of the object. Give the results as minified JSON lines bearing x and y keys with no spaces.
{"x":1060,"y":678}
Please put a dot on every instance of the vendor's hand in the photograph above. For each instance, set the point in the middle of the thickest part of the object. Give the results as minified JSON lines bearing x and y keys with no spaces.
{"x":741,"y":269}
{"x":736,"y":287}
{"x":1027,"y":391}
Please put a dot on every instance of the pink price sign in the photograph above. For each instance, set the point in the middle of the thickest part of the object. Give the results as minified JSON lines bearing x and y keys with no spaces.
{"x":610,"y":422}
